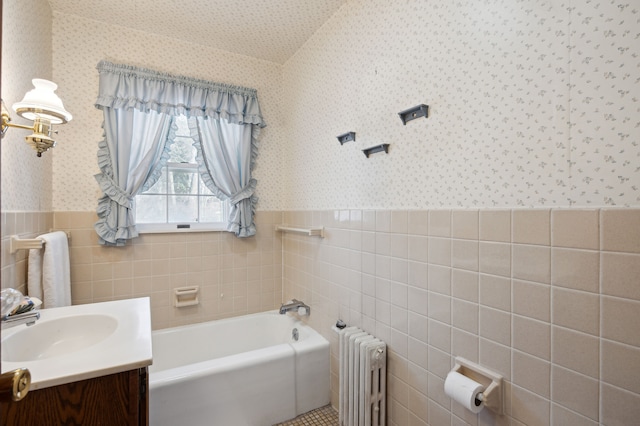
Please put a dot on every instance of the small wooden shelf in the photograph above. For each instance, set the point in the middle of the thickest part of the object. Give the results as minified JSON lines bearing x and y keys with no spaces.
{"x":312,"y":232}
{"x":417,"y":111}
{"x":347,"y":137}
{"x":378,"y":148}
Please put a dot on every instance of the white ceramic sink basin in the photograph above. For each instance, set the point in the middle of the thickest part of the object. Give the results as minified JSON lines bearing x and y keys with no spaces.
{"x":58,"y":337}
{"x":80,"y":342}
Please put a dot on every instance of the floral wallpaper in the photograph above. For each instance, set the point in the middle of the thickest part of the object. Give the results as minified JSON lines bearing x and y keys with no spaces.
{"x":26,"y":179}
{"x":532,"y":103}
{"x":605,"y":103}
{"x":80,"y":43}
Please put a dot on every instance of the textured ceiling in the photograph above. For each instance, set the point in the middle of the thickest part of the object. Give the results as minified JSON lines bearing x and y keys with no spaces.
{"x":272,"y":30}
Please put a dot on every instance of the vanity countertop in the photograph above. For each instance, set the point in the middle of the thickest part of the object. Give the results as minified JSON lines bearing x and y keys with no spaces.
{"x":80,"y":342}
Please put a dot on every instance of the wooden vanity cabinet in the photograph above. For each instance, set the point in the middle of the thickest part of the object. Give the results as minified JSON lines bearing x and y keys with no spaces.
{"x":115,"y":399}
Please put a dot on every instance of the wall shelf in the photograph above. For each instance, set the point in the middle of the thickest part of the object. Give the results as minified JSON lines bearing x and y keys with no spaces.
{"x":347,"y":137}
{"x":378,"y":148}
{"x":312,"y":232}
{"x":418,"y":111}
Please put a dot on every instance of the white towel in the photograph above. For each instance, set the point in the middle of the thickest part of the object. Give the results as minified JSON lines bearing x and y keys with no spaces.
{"x":49,"y":276}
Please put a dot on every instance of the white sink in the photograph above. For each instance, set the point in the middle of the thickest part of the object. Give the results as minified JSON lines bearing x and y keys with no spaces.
{"x":57,"y":337}
{"x":80,"y":342}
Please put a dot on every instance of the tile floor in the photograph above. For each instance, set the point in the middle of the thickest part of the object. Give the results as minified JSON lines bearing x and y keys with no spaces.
{"x":324,"y":416}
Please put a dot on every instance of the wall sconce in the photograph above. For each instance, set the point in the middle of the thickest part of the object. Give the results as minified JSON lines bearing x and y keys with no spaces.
{"x":44,"y":108}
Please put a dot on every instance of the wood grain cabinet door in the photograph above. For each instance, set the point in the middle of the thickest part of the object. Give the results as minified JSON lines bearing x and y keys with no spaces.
{"x":116,"y":399}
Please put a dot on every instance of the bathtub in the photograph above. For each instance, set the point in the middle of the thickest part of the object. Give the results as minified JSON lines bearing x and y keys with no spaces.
{"x":242,"y":371}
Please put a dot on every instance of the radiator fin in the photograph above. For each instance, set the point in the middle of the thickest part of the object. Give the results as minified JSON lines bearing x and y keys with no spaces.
{"x":363,"y":374}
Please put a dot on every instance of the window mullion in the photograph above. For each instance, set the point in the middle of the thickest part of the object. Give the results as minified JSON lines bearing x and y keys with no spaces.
{"x":198,"y":196}
{"x":166,"y":197}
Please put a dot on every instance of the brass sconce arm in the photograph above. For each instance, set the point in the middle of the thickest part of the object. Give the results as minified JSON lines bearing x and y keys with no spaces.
{"x":6,"y":123}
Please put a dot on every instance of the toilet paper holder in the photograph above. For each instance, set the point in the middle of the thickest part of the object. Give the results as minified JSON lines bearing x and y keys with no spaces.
{"x":492,"y":382}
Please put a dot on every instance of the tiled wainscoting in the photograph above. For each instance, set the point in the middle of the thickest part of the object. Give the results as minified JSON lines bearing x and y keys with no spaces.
{"x":24,"y":225}
{"x":236,"y":275}
{"x":548,"y":298}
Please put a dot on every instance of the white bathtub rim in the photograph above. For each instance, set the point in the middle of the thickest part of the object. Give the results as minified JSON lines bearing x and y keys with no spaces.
{"x":203,"y":324}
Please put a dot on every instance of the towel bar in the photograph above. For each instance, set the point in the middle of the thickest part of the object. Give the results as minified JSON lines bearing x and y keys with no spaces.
{"x":319,"y":232}
{"x":16,"y":243}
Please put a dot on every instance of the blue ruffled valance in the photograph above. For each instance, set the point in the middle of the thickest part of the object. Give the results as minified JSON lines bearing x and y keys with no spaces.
{"x":126,"y":87}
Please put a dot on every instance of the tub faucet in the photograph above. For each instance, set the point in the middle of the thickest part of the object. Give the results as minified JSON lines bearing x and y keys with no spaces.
{"x":296,"y":306}
{"x":28,"y":318}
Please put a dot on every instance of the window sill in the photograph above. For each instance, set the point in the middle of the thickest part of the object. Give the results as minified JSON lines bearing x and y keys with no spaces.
{"x":173,"y":228}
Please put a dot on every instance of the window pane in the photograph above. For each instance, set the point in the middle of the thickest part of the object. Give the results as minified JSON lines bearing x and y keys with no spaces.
{"x":183,"y":208}
{"x":210,"y":209}
{"x":182,"y":122}
{"x":182,"y":151}
{"x":151,"y":209}
{"x":160,"y":187}
{"x":182,"y":182}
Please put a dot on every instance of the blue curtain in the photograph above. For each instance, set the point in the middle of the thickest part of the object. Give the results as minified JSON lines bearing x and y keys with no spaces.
{"x":225,"y":155}
{"x":138,"y":105}
{"x":132,"y":153}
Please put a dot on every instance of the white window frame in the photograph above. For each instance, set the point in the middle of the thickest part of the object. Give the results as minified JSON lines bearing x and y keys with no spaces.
{"x":180,"y":227}
{"x":169,"y":228}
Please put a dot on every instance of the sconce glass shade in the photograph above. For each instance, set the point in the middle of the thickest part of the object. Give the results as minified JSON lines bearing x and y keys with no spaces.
{"x":42,"y":103}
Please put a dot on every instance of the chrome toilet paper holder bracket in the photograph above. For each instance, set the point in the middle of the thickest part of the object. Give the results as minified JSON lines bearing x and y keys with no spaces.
{"x":492,"y":382}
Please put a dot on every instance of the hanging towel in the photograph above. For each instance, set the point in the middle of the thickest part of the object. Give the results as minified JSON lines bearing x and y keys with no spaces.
{"x":49,"y":277}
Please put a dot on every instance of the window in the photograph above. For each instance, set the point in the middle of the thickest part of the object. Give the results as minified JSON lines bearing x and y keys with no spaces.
{"x":179,"y":200}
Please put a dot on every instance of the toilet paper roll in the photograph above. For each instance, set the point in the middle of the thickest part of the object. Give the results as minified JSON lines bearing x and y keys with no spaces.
{"x":464,"y":391}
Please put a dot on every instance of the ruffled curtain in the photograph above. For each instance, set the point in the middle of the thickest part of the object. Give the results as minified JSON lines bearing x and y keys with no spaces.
{"x":138,"y":105}
{"x":225,"y":158}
